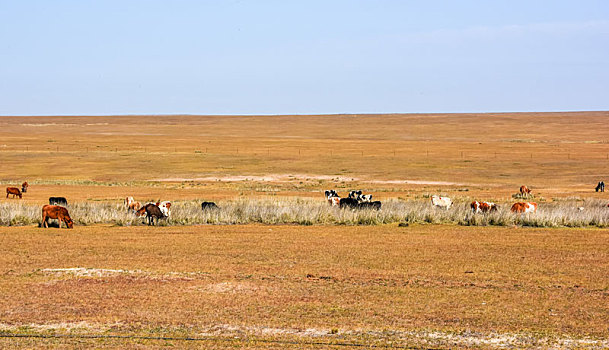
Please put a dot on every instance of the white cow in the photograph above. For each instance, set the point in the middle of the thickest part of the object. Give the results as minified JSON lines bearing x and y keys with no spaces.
{"x":442,"y":202}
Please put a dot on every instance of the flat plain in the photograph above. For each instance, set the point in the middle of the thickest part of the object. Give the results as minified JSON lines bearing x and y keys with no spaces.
{"x":292,"y":286}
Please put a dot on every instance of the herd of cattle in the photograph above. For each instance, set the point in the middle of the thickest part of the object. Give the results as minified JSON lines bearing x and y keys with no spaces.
{"x":356,"y":199}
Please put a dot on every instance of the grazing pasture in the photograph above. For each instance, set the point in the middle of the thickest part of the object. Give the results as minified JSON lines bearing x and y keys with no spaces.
{"x":275,"y":264}
{"x":423,"y":285}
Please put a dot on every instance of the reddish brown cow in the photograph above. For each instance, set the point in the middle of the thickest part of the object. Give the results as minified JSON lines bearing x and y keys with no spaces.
{"x":522,"y":207}
{"x":525,"y":191}
{"x":14,"y":191}
{"x":56,"y":212}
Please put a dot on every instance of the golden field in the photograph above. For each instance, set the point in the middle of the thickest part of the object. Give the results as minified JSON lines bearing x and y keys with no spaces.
{"x":292,"y":286}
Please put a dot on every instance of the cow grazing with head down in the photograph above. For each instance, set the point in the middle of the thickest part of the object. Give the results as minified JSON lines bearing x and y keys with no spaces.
{"x":209,"y":206}
{"x":441,"y":202}
{"x":165,"y":207}
{"x":13,"y":191}
{"x":151,"y":211}
{"x":482,"y":207}
{"x":525,"y":191}
{"x":524,"y":207}
{"x":24,"y":187}
{"x":58,"y":213}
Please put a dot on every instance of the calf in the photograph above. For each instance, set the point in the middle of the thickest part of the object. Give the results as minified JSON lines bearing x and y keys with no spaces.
{"x":56,"y":212}
{"x":441,"y":202}
{"x":483,"y":207}
{"x":524,"y":207}
{"x":14,"y":191}
{"x":151,"y":211}
{"x":58,"y":201}
{"x":209,"y":206}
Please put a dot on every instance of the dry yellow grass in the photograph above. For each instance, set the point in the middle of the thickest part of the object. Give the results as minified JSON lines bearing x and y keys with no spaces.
{"x":491,"y":154}
{"x":366,"y":282}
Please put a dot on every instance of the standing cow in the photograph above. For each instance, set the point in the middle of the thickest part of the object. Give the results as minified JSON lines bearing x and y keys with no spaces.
{"x":24,"y":187}
{"x":441,"y":202}
{"x":600,"y":187}
{"x":525,"y":191}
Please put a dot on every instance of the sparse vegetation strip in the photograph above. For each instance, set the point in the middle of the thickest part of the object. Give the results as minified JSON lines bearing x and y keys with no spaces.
{"x":304,"y":211}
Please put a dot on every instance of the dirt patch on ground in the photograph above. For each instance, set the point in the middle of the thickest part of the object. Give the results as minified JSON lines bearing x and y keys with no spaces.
{"x":303,"y":177}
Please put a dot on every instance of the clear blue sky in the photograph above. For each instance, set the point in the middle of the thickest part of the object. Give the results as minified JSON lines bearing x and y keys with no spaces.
{"x":284,"y":57}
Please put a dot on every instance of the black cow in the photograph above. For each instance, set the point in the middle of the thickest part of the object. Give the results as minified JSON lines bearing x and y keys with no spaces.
{"x":152,"y":212}
{"x":376,"y":205}
{"x":349,"y":202}
{"x":209,"y":206}
{"x":600,"y":187}
{"x":58,"y":201}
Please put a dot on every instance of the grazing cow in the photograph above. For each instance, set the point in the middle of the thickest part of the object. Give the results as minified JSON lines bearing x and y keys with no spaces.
{"x":483,"y":207}
{"x":441,"y":202}
{"x":524,"y":207}
{"x":24,"y":187}
{"x":165,"y":207}
{"x":131,"y":204}
{"x":524,"y":191}
{"x":14,"y":191}
{"x":364,"y":198}
{"x":209,"y":206}
{"x":600,"y":187}
{"x":58,"y":201}
{"x":369,"y":205}
{"x":348,"y":203}
{"x":151,"y":211}
{"x":355,"y":193}
{"x":56,"y":212}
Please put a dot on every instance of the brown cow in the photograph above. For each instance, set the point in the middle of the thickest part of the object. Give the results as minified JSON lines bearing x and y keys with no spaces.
{"x":56,"y":212}
{"x":524,"y":207}
{"x":24,"y":187}
{"x":14,"y":191}
{"x":151,"y":211}
{"x":524,"y":191}
{"x":483,"y":207}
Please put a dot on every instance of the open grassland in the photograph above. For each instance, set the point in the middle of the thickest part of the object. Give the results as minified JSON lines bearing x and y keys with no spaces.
{"x":423,"y":285}
{"x":278,"y":268}
{"x":556,"y":153}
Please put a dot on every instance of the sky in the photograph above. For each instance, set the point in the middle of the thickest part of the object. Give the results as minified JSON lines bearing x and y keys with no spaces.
{"x":85,"y":57}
